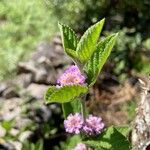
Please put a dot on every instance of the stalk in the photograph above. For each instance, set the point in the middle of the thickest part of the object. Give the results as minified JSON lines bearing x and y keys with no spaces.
{"x":83,"y":107}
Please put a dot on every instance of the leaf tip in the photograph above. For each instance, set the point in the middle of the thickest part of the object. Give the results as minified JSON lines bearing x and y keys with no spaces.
{"x":101,"y":22}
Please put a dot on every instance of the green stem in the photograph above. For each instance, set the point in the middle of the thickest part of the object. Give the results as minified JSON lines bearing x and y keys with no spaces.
{"x":83,"y":107}
{"x":63,"y":109}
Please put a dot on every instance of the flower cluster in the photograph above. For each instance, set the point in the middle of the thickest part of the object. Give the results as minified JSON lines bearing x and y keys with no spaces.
{"x":71,"y":76}
{"x":93,"y":125}
{"x":80,"y":146}
{"x":75,"y":124}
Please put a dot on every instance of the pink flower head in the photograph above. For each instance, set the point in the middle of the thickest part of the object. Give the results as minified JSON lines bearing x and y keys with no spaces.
{"x":93,"y":125}
{"x":73,"y":123}
{"x":80,"y":146}
{"x":71,"y":76}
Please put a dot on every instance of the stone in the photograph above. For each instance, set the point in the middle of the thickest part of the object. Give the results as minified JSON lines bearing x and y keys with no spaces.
{"x":11,"y":108}
{"x":57,"y":40}
{"x":40,"y":76}
{"x":14,"y":132}
{"x":7,"y":146}
{"x":21,"y":122}
{"x":3,"y":87}
{"x":26,"y":67}
{"x":10,"y":93}
{"x":43,"y":113}
{"x":17,"y":145}
{"x":37,"y":90}
{"x":23,"y":80}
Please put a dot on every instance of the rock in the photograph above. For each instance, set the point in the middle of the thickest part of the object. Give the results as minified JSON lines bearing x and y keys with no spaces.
{"x":23,"y":80}
{"x":10,"y":93}
{"x":40,"y":76}
{"x":21,"y":122}
{"x":57,"y":40}
{"x":54,"y":54}
{"x":14,"y":132}
{"x":7,"y":146}
{"x":26,"y":67}
{"x":37,"y":90}
{"x":2,"y":131}
{"x":43,"y":113}
{"x":11,"y":108}
{"x":3,"y":86}
{"x":45,"y":62}
{"x":17,"y":145}
{"x":52,"y":77}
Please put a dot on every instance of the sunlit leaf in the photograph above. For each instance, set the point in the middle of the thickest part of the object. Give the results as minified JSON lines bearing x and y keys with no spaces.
{"x":110,"y":139}
{"x":64,"y":94}
{"x":69,"y":40}
{"x":94,"y":65}
{"x":87,"y":43}
{"x":71,"y":107}
{"x":123,"y":130}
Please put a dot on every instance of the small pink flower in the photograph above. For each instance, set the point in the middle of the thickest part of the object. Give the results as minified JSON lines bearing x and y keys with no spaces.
{"x":93,"y":125}
{"x":71,"y":76}
{"x":73,"y":123}
{"x":80,"y":146}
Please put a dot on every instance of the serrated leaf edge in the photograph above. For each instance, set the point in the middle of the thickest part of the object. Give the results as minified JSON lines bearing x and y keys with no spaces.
{"x":88,"y":31}
{"x":77,"y":85}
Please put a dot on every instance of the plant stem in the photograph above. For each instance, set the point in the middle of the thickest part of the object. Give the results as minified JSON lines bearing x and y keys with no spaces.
{"x":63,"y":109}
{"x":83,"y":107}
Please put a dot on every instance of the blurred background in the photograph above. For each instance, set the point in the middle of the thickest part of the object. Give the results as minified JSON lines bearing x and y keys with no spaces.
{"x":32,"y":57}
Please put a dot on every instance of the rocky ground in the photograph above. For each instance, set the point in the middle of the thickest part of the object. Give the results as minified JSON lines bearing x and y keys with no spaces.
{"x":24,"y":115}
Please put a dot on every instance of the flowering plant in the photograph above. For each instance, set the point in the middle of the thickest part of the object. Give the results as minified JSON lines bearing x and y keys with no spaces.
{"x":73,"y":85}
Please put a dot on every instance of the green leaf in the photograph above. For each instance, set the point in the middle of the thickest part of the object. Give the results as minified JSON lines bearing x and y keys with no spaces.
{"x":39,"y":145}
{"x":71,"y":142}
{"x":123,"y":130}
{"x":86,"y":45}
{"x":93,"y":67}
{"x":71,"y":107}
{"x":64,"y":94}
{"x":69,"y":40}
{"x":110,"y":139}
{"x":72,"y":54}
{"x":49,"y":92}
{"x":7,"y":124}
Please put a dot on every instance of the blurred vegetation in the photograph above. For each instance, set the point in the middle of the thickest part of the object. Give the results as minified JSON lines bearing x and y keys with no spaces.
{"x":129,"y":18}
{"x":23,"y":24}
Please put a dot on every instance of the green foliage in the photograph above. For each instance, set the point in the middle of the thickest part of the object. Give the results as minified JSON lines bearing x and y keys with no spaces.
{"x":87,"y":43}
{"x":71,"y":107}
{"x":131,"y":18}
{"x":70,"y":143}
{"x":99,"y":57}
{"x":23,"y":24}
{"x":64,"y":94}
{"x":7,"y":124}
{"x":31,"y":146}
{"x":86,"y":46}
{"x":69,"y":38}
{"x":109,"y":139}
{"x":130,"y":55}
{"x":86,"y":52}
{"x":124,"y":130}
